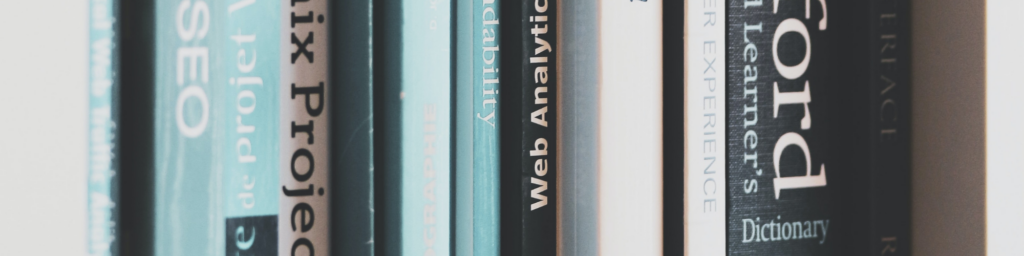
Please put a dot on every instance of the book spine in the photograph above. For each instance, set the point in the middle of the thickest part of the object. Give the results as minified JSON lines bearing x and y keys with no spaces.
{"x":425,"y":71}
{"x":778,"y":73}
{"x":465,"y":120}
{"x":248,"y":119}
{"x":352,"y":146}
{"x":539,"y":87}
{"x":630,"y":127}
{"x":103,"y":169}
{"x":486,"y":127}
{"x":705,"y":186}
{"x":190,"y":123}
{"x":304,"y":129}
{"x":673,"y":118}
{"x":578,"y":69}
{"x":890,"y":128}
{"x":388,"y":137}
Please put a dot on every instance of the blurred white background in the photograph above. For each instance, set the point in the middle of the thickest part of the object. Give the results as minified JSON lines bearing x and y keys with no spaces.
{"x":42,"y":127}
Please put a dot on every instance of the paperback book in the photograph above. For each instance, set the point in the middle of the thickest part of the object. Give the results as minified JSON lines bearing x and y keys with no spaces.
{"x":241,"y":124}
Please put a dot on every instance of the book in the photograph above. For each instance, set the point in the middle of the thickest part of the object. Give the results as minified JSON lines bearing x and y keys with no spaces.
{"x":241,"y":128}
{"x":870,"y":139}
{"x":965,"y":158}
{"x":478,"y":65}
{"x":134,"y":103}
{"x":780,"y":197}
{"x":673,"y":119}
{"x":539,"y":123}
{"x":613,"y":136}
{"x":412,"y":41}
{"x":103,"y":173}
{"x":351,"y":122}
{"x":705,"y":192}
{"x":529,"y":127}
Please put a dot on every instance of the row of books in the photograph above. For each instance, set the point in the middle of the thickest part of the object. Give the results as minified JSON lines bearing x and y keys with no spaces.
{"x":487,"y":127}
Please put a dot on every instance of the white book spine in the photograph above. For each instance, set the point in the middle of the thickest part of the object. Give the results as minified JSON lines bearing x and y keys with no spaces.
{"x":705,"y":153}
{"x":630,"y":128}
{"x":1003,"y":131}
{"x":304,"y":218}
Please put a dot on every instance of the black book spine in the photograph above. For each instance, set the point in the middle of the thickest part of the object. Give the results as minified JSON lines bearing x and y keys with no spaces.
{"x":133,"y":102}
{"x":673,"y":126}
{"x":352,"y":121}
{"x":890,"y":128}
{"x":511,"y":136}
{"x":778,"y":58}
{"x":539,"y":121}
{"x":387,"y":133}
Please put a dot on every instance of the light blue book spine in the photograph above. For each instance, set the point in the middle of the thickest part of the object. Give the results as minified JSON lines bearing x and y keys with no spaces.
{"x":486,"y":190}
{"x":426,"y":130}
{"x":464,"y":120}
{"x":477,"y":152}
{"x":102,"y":182}
{"x":190,"y":127}
{"x":250,"y":145}
{"x":217,"y":127}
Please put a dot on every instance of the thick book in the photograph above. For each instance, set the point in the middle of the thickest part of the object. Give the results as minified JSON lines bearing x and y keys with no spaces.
{"x":870,"y":137}
{"x":612,"y":130}
{"x":351,"y":127}
{"x":103,"y":173}
{"x":778,"y":61}
{"x":241,"y":128}
{"x":477,"y":52}
{"x":413,"y":102}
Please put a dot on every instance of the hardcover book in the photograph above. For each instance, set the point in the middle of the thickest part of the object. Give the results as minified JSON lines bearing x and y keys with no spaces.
{"x":870,"y":138}
{"x":780,"y":197}
{"x":241,"y":125}
{"x":477,"y":85}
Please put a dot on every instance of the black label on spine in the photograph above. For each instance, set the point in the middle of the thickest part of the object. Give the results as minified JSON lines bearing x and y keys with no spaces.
{"x":538,"y":124}
{"x":251,"y":236}
{"x":777,"y":128}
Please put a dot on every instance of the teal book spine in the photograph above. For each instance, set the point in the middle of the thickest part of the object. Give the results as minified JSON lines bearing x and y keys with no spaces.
{"x":190,"y":111}
{"x":465,"y":71}
{"x":426,"y":127}
{"x":102,"y":177}
{"x":477,"y":85}
{"x":486,"y":86}
{"x":240,"y":124}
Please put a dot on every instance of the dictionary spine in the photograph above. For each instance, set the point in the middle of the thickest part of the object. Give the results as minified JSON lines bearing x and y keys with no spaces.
{"x":778,"y":89}
{"x":304,"y":129}
{"x":104,"y":87}
{"x":704,"y":150}
{"x":352,"y":120}
{"x":538,"y":123}
{"x":890,"y":128}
